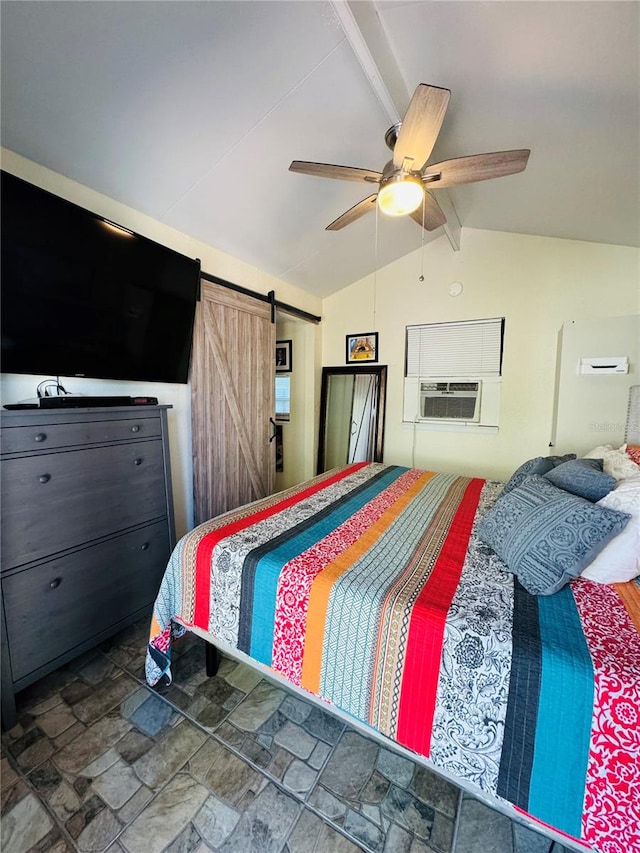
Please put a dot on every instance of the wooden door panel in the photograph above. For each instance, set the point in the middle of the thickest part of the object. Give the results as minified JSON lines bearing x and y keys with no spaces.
{"x":232,"y":380}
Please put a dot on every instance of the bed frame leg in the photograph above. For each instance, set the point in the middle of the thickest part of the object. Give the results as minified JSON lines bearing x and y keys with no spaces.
{"x":212,"y":659}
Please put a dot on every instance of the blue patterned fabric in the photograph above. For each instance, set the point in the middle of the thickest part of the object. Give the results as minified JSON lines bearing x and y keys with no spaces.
{"x":537,"y":465}
{"x":547,"y":536}
{"x":582,"y":477}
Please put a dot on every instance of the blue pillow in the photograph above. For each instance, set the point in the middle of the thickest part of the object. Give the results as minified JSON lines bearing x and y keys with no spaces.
{"x":582,"y":477}
{"x":546,"y":536}
{"x":538,"y":465}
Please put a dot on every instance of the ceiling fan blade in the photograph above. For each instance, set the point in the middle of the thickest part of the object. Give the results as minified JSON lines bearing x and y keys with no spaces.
{"x":430,"y":215}
{"x":341,"y":173}
{"x":421,"y":126}
{"x":353,"y":213}
{"x":477,"y":167}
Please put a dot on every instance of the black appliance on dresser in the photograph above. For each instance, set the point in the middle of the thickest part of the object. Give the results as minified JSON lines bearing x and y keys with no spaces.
{"x":87,"y":529}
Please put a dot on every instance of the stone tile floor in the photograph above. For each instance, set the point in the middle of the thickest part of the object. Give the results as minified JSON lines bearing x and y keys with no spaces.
{"x":100,"y":762}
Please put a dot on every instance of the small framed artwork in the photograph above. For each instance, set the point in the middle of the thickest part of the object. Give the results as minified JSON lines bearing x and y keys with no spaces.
{"x":362,"y":347}
{"x":283,"y":357}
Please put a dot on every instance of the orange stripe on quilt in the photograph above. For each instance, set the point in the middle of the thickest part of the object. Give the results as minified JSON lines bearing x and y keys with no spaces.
{"x":426,"y":630}
{"x":324,"y":582}
{"x":155,"y":627}
{"x":630,"y":596}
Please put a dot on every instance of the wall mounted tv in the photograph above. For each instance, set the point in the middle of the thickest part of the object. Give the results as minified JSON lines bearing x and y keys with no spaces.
{"x":81,"y":297}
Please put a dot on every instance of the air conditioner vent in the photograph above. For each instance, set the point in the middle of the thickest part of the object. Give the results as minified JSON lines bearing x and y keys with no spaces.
{"x":463,"y":386}
{"x":454,"y":401}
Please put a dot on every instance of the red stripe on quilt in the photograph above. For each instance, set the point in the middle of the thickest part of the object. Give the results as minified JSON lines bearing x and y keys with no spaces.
{"x":426,"y":629}
{"x":209,"y":542}
{"x":612,"y":823}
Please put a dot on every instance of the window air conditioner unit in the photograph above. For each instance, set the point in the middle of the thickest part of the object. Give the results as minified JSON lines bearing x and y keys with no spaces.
{"x":449,"y":401}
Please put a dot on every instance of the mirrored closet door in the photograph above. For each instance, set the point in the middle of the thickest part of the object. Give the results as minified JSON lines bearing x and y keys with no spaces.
{"x":351,"y":415}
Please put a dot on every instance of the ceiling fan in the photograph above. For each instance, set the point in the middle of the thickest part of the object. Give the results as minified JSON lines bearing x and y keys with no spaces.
{"x":406,"y":180}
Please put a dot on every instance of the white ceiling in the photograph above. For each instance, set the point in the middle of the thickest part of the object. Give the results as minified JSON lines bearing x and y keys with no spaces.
{"x":192,"y":111}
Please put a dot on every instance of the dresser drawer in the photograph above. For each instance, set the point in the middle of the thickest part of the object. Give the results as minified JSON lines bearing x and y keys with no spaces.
{"x":48,"y":436}
{"x":56,"y":501}
{"x":55,"y":606}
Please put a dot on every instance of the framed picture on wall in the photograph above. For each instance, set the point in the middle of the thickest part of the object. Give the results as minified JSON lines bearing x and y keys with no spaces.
{"x":283,"y":357}
{"x":362,"y":347}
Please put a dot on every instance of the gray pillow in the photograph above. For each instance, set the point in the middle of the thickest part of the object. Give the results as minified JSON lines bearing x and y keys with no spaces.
{"x":582,"y":477}
{"x":538,"y":465}
{"x":547,"y":536}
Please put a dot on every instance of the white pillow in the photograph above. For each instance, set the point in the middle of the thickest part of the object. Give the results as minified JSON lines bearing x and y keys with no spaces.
{"x":615,"y":461}
{"x":619,"y":560}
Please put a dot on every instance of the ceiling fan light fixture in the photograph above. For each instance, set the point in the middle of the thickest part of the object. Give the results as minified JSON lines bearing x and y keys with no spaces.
{"x":400,"y":195}
{"x":402,"y":181}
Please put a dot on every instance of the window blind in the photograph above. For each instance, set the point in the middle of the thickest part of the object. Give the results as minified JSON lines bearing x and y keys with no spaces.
{"x":283,"y":397}
{"x":466,"y":348}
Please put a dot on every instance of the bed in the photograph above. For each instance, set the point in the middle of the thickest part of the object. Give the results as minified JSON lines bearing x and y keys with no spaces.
{"x":373,"y":588}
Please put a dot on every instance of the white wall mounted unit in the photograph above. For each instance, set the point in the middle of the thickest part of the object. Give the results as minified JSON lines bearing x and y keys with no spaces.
{"x":603,"y":365}
{"x":464,"y":400}
{"x":591,"y":409}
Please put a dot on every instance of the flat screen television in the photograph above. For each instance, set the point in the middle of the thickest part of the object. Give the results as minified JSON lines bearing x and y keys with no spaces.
{"x":82,"y":297}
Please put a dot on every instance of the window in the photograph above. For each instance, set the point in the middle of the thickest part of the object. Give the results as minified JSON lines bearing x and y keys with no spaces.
{"x":452,"y":373}
{"x":283,"y":397}
{"x":468,"y":348}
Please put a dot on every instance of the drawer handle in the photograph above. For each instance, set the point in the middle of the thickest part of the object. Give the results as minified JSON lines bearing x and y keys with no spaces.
{"x":144,"y":546}
{"x":55,"y":583}
{"x":137,"y":461}
{"x":40,"y":436}
{"x":44,"y":478}
{"x":135,"y":428}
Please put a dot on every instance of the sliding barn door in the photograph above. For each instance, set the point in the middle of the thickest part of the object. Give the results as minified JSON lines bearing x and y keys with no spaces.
{"x":232,"y":401}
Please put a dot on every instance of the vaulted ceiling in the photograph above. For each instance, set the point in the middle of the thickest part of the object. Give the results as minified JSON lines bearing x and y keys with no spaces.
{"x":191,"y":112}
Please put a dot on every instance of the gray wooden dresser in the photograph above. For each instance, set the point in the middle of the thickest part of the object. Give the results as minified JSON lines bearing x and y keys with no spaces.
{"x":87,"y":530}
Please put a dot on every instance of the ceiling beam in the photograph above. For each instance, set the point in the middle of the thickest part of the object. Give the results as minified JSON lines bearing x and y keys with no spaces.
{"x":368,"y":40}
{"x":452,"y":227}
{"x":364,"y":32}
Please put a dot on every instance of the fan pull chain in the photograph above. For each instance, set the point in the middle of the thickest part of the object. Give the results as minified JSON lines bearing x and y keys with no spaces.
{"x":424,"y":202}
{"x":375,"y":273}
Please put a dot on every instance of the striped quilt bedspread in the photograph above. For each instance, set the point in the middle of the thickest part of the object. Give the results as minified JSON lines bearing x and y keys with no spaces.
{"x":367,"y":587}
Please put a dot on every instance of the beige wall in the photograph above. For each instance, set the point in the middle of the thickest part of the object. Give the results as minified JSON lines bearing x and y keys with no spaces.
{"x":14,"y":388}
{"x":591,"y":408}
{"x":537,"y":283}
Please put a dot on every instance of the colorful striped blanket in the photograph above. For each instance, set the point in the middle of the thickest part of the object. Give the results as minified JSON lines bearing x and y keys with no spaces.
{"x":367,"y":587}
